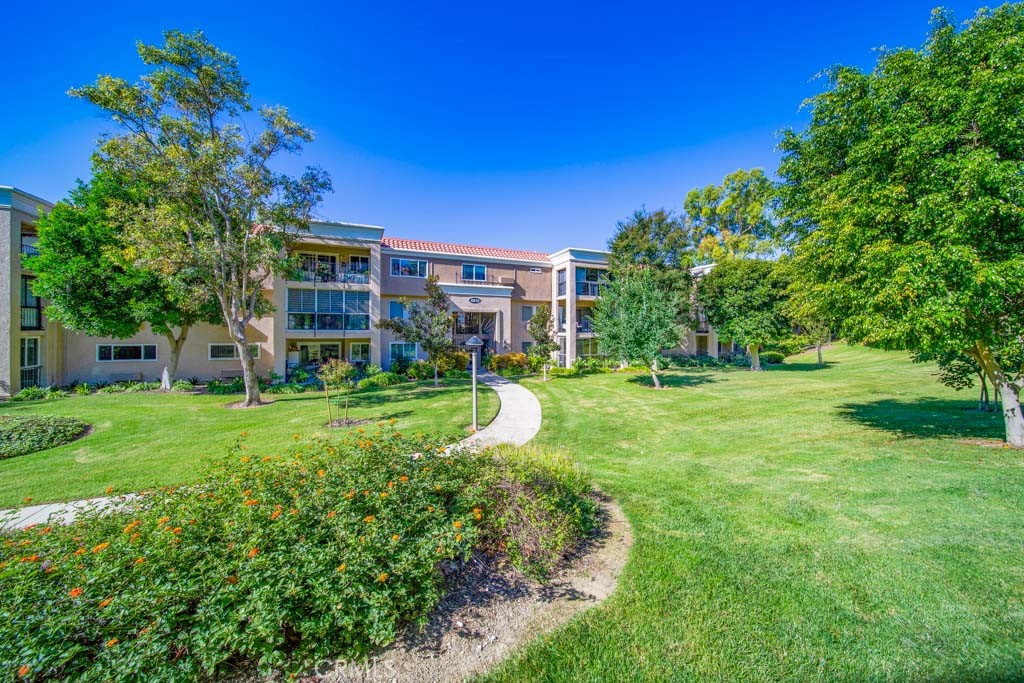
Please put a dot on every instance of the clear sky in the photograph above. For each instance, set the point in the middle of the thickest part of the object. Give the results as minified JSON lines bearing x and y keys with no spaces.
{"x":523,"y":124}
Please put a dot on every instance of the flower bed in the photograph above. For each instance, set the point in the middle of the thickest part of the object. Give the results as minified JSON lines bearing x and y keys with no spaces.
{"x":282,"y":561}
{"x":23,"y":434}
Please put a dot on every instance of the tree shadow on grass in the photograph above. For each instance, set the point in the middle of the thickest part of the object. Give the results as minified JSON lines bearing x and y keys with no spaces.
{"x":926,"y":418}
{"x":675,"y":380}
{"x":809,"y":366}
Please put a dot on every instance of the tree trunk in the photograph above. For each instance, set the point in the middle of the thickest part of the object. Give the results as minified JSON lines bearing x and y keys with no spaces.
{"x":755,"y":357}
{"x":435,"y":376}
{"x":821,"y":362}
{"x":1009,"y":394}
{"x":252,"y":383}
{"x":984,"y":404}
{"x":654,"y":375}
{"x":176,"y":343}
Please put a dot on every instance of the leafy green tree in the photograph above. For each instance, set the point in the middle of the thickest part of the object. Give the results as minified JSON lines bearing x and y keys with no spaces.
{"x":959,"y":371}
{"x":428,"y":324}
{"x":745,"y":301}
{"x":735,"y":218}
{"x":635,"y":319}
{"x":86,"y":270}
{"x":334,"y":374}
{"x":908,"y":189}
{"x":214,"y":208}
{"x":658,"y":241}
{"x":542,"y":328}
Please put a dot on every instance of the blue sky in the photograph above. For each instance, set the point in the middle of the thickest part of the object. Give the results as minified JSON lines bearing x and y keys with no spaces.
{"x":519,"y":124}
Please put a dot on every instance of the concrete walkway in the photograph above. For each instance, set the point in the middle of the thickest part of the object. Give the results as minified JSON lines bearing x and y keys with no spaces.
{"x":518,"y":421}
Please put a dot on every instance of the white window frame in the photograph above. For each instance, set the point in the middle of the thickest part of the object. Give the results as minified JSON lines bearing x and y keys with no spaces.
{"x":234,"y":354}
{"x":351,"y":348}
{"x":474,"y":266}
{"x":391,"y":350}
{"x":399,"y":259}
{"x":154,"y":359}
{"x":39,"y":352}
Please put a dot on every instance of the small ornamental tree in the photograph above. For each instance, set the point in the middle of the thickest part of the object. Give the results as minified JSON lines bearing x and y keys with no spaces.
{"x":745,"y":301}
{"x":428,"y":324}
{"x":214,"y":208}
{"x":335,"y":373}
{"x":907,"y":187}
{"x":542,"y":328}
{"x":635,"y":319}
{"x":86,"y":269}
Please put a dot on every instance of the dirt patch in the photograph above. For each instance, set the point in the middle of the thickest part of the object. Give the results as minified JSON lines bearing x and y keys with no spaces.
{"x":988,"y":443}
{"x":240,"y":405}
{"x":342,"y":422}
{"x":493,"y":610}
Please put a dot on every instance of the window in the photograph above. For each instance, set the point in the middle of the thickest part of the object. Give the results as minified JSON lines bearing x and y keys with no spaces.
{"x":586,"y":347}
{"x":403,"y":350}
{"x":359,"y":352}
{"x":30,"y":352}
{"x":328,"y":309}
{"x":527,"y":346}
{"x":396,"y":310}
{"x":528,"y":312}
{"x":474,"y":272}
{"x":536,"y":270}
{"x":359,"y":264}
{"x":561,"y":282}
{"x":402,"y":267}
{"x":106,"y":353}
{"x":230,"y":351}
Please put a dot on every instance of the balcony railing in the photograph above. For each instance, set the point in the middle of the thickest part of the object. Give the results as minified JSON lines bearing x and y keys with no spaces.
{"x":31,"y":318}
{"x":584,"y":325}
{"x":29,"y":249}
{"x":33,"y":377}
{"x":489,"y":280}
{"x":589,"y":288}
{"x":348,"y":322}
{"x":329,"y":272}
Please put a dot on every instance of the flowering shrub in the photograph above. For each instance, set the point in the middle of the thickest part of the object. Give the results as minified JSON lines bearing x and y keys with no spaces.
{"x":21,"y":434}
{"x":280,"y":561}
{"x":508,"y":361}
{"x":453,"y":360}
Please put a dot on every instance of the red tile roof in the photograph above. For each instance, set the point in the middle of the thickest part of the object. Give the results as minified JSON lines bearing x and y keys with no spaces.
{"x":462,"y":249}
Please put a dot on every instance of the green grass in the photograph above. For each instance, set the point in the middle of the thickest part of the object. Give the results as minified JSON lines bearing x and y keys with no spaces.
{"x":796,"y":524}
{"x":141,"y":440}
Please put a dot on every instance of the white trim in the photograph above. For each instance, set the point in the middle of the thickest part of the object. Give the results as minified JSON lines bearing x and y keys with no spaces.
{"x":155,"y":358}
{"x":234,"y":356}
{"x":451,"y":256}
{"x":424,"y":261}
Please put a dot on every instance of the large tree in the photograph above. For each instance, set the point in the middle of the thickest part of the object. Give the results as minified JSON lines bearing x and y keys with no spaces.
{"x":428,"y":323}
{"x":215,"y":208}
{"x":660,"y":242}
{"x":86,"y":270}
{"x":735,"y":218}
{"x":908,"y":185}
{"x":745,"y":300}
{"x":635,"y":319}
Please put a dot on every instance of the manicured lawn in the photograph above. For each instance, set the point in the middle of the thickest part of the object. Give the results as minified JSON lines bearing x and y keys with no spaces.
{"x":797,"y":524}
{"x":147,"y":439}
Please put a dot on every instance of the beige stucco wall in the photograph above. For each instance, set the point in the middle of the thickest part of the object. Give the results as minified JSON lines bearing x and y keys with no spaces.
{"x":525,"y":285}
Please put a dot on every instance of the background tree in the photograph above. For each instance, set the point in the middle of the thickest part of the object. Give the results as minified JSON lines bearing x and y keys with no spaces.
{"x":86,"y":269}
{"x":959,"y":371}
{"x":909,"y":186}
{"x":428,"y":324}
{"x":334,"y":374}
{"x":214,"y":207}
{"x":542,"y":328}
{"x":745,"y":301}
{"x":658,"y":241}
{"x":635,"y":319}
{"x":734,"y":218}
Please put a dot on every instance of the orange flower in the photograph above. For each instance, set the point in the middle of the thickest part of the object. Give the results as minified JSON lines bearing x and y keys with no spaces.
{"x":341,"y":568}
{"x":100,"y":548}
{"x":104,"y":603}
{"x":430,"y":508}
{"x":458,"y":537}
{"x":320,"y":473}
{"x":247,"y":492}
{"x":110,"y":489}
{"x":79,"y":551}
{"x":251,"y":502}
{"x":331,"y":514}
{"x":75,"y":592}
{"x":383,"y":494}
{"x":29,"y":499}
{"x":128,"y":529}
{"x":369,"y":519}
{"x":403,"y":478}
{"x":112,"y":642}
{"x":350,"y":494}
{"x":245,"y":458}
{"x":134,"y":537}
{"x":395,"y":538}
{"x":232,"y":579}
{"x":295,"y":511}
{"x":162,"y":521}
{"x":253,"y":552}
{"x":391,"y":484}
{"x":140,"y":560}
{"x":457,"y":524}
{"x":45,"y":530}
{"x":176,"y":530}
{"x":383,"y":577}
{"x":23,"y":671}
{"x":275,"y":514}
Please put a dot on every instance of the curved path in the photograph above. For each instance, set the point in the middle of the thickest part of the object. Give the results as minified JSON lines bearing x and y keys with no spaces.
{"x":518,"y":420}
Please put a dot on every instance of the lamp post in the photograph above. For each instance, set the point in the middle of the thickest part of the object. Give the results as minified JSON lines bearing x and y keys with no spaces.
{"x":474,"y":344}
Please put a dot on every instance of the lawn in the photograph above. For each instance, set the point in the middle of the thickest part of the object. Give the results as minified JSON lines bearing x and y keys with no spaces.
{"x":796,"y":524}
{"x":146,"y":439}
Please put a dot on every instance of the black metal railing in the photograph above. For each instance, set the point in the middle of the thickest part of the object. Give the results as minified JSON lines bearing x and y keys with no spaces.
{"x":329,"y":272}
{"x":590,"y":288}
{"x":348,"y":322}
{"x":489,"y":280}
{"x":29,"y":249}
{"x":31,"y":318}
{"x":33,"y":377}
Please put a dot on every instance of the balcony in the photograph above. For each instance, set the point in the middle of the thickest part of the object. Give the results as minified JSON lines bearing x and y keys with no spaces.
{"x":33,"y":377}
{"x":584,"y":325}
{"x":31,"y":318}
{"x":333,"y":322}
{"x":589,"y":288}
{"x":333,"y":273}
{"x":29,"y":249}
{"x":487,"y":280}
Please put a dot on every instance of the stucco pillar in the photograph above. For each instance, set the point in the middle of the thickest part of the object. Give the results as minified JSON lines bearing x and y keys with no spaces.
{"x":570,"y":314}
{"x":279,"y":330}
{"x":375,"y":286}
{"x":9,"y":292}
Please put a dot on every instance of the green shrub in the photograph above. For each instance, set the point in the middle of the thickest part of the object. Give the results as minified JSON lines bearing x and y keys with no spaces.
{"x":539,"y":506}
{"x":232,"y":386}
{"x":563,"y":372}
{"x":115,"y":388}
{"x":381,"y":379}
{"x":453,"y":360}
{"x":142,"y":386}
{"x":371,"y":369}
{"x":82,"y":389}
{"x":499,"y":362}
{"x":789,"y":346}
{"x":21,"y":434}
{"x":772,"y":357}
{"x":420,"y":370}
{"x":182,"y":385}
{"x":399,"y":366}
{"x":287,"y":388}
{"x":32,"y":394}
{"x":458,"y":374}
